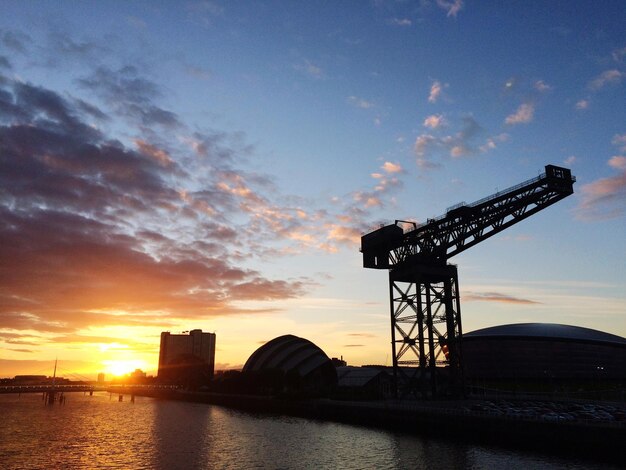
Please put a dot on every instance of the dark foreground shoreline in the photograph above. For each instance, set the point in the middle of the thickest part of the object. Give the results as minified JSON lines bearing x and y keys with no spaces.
{"x":599,"y":441}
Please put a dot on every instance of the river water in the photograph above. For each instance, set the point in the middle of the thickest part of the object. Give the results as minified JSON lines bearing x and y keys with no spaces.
{"x":100,"y":432}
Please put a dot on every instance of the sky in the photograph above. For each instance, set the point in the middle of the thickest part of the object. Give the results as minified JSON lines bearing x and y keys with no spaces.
{"x":166,"y":166}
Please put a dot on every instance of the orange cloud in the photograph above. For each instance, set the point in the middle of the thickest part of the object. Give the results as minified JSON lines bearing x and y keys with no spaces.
{"x":390,"y":167}
{"x":618,"y":162}
{"x":103,"y":235}
{"x":342,"y":234}
{"x":605,"y":198}
{"x":496,"y":297}
{"x":435,"y":91}
{"x":159,"y":155}
{"x":523,"y":115}
{"x":434,"y":121}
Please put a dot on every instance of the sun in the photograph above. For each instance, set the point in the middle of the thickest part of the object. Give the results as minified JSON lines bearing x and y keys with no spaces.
{"x":122,"y":367}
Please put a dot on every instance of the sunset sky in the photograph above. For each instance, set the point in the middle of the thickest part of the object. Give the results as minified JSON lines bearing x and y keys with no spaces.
{"x":180,"y":165}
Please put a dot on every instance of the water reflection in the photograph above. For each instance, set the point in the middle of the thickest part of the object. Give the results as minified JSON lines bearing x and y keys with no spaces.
{"x":179,"y":433}
{"x":96,"y":432}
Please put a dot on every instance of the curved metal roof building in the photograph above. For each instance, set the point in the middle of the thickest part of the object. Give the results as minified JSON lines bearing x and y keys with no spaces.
{"x":290,"y":353}
{"x":547,"y":330}
{"x":540,"y":350}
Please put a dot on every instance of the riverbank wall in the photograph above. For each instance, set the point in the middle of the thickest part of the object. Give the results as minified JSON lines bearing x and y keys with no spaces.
{"x":449,"y":420}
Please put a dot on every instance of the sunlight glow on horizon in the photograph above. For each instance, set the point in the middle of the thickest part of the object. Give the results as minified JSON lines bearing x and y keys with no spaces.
{"x":119,"y":368}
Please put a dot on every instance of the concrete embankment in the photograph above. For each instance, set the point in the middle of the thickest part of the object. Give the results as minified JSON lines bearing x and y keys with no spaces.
{"x":598,"y":440}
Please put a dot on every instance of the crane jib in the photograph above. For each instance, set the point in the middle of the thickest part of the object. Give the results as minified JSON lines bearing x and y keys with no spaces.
{"x":464,"y":225}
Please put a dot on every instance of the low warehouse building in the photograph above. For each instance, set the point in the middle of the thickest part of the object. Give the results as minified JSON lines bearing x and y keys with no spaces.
{"x":364,"y":382}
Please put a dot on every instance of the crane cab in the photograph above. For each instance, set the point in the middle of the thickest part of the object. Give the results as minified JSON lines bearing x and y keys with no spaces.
{"x":376,"y":245}
{"x":560,"y":178}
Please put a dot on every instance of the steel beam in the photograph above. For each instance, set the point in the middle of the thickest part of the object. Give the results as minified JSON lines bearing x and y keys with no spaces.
{"x":426,"y":331}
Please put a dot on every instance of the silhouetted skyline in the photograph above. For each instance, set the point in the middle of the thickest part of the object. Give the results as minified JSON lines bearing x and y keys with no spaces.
{"x":213,"y":165}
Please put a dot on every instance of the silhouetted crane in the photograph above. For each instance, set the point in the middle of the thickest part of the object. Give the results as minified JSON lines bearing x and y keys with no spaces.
{"x":423,"y":287}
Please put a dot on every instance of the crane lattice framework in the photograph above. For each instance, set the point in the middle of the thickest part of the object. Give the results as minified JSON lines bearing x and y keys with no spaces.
{"x":423,"y":287}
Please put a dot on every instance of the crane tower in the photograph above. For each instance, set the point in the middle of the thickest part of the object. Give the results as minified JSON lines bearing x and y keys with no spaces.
{"x":423,"y":287}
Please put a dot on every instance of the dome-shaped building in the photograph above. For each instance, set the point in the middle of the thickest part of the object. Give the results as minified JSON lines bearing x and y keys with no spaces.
{"x":295,"y":357}
{"x":543,"y":350}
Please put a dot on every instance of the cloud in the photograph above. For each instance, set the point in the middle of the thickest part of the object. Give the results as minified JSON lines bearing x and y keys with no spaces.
{"x":354,"y":216}
{"x":436,"y":89}
{"x":62,"y":47}
{"x":344,"y":234}
{"x":452,"y":7}
{"x":13,"y":367}
{"x":75,"y":265}
{"x":204,"y":12}
{"x":510,"y":84}
{"x":492,"y":142}
{"x":458,"y":151}
{"x":620,"y":141}
{"x":259,"y":288}
{"x":523,"y":115}
{"x":16,"y":41}
{"x":4,"y":63}
{"x":457,"y":145}
{"x":541,"y":86}
{"x":423,"y":143}
{"x":367,"y":199}
{"x":424,"y":163}
{"x":619,"y":54}
{"x":582,"y":104}
{"x":496,"y":297}
{"x":390,"y":167}
{"x":570,"y":160}
{"x":434,"y":121}
{"x":618,"y":162}
{"x":159,"y":155}
{"x":130,"y":95}
{"x":311,"y":69}
{"x":198,"y":72}
{"x":359,"y":102}
{"x":400,"y":22}
{"x":605,"y":198}
{"x":423,"y":147}
{"x":46,"y":108}
{"x":149,"y":227}
{"x":608,"y":77}
{"x":90,"y":227}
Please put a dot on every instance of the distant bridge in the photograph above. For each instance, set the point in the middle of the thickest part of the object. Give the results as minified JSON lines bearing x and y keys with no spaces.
{"x":116,"y":388}
{"x":49,"y":388}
